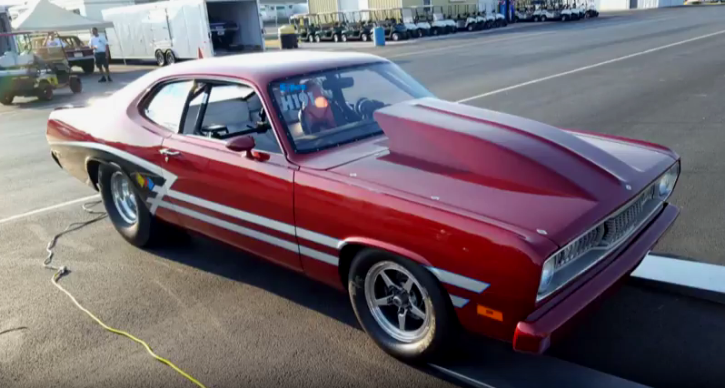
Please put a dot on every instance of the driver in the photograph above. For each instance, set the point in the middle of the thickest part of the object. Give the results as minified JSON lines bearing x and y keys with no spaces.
{"x":316,"y":115}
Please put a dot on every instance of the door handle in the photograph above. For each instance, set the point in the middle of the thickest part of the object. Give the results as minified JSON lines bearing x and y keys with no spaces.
{"x":168,"y":152}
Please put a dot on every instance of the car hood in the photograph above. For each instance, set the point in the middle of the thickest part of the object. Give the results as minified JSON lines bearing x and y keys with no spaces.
{"x":506,"y":168}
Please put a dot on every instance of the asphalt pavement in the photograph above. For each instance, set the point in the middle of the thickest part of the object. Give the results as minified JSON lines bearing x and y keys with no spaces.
{"x":235,"y":321}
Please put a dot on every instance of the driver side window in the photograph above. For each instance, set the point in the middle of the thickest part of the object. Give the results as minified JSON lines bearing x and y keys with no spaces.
{"x":226,"y":109}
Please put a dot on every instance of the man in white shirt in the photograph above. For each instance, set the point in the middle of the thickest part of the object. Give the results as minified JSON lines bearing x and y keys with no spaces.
{"x":100,"y":51}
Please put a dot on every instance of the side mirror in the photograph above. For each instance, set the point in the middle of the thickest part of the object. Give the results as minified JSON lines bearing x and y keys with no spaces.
{"x":241,"y":144}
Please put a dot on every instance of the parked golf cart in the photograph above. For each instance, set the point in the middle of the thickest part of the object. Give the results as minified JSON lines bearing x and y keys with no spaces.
{"x":331,"y":27}
{"x":591,"y":10}
{"x":412,"y":29}
{"x":393,"y":29}
{"x":358,"y":26}
{"x":546,"y":12}
{"x":465,"y":17}
{"x":424,"y":14}
{"x":440,"y":14}
{"x":524,"y":13}
{"x":32,"y":69}
{"x":569,"y":12}
{"x":411,"y":17}
{"x":304,"y":27}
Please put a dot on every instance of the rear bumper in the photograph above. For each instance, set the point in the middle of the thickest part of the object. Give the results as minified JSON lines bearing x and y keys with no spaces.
{"x":535,"y":335}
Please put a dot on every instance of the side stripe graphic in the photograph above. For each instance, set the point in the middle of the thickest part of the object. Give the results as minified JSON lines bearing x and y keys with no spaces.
{"x":458,"y":301}
{"x":165,"y":189}
{"x":459,"y":281}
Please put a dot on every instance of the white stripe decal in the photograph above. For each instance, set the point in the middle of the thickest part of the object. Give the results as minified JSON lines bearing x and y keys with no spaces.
{"x":458,"y":301}
{"x":324,"y":257}
{"x":242,"y":215}
{"x":290,"y":246}
{"x":318,"y":238}
{"x":458,"y":280}
{"x":233,"y":227}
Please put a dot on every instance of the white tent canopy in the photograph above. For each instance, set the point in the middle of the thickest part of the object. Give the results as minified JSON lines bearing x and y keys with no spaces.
{"x":44,"y":16}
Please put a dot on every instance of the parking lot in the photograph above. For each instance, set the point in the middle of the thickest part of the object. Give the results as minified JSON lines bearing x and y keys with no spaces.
{"x":234,"y":321}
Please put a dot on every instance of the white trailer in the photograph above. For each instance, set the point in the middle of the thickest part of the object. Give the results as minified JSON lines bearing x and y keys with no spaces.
{"x":184,"y":29}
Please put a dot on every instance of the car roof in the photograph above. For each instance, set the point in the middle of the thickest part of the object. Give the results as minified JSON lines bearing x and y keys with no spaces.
{"x":262,"y":68}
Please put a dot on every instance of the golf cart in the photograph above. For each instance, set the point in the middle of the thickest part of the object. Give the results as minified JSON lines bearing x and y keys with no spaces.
{"x":546,"y":12}
{"x":357,"y":26}
{"x":591,"y":10}
{"x":423,"y":15}
{"x":31,"y":69}
{"x":393,"y":29}
{"x":450,"y":24}
{"x":465,"y":17}
{"x":331,"y":27}
{"x":412,"y":28}
{"x":304,"y":27}
{"x":414,"y":23}
{"x":524,"y":12}
{"x":569,"y":12}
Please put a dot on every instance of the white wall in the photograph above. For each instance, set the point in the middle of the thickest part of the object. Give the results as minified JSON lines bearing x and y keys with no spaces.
{"x":349,"y":5}
{"x":612,"y":5}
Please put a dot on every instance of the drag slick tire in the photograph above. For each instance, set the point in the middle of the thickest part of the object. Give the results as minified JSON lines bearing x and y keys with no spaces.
{"x":400,"y":305}
{"x":128,"y":212}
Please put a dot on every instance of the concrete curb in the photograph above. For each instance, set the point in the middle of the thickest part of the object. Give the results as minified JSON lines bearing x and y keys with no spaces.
{"x":682,"y":276}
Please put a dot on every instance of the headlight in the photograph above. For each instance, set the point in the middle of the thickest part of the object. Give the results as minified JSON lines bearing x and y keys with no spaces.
{"x":666,"y":183}
{"x":547,"y":274}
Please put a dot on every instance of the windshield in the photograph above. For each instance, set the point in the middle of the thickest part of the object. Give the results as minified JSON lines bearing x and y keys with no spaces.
{"x":335,"y":107}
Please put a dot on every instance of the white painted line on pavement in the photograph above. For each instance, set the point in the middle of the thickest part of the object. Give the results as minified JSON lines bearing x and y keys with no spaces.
{"x":475,"y":43}
{"x":692,"y":274}
{"x":589,"y":67}
{"x":49,"y":208}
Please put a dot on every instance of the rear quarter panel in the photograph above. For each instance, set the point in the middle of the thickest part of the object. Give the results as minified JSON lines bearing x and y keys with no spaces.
{"x":362,"y":214}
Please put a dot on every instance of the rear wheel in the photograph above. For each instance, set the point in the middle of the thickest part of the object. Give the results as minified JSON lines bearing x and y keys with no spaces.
{"x":400,"y":305}
{"x":88,"y":68}
{"x":364,"y":37}
{"x":343,"y":37}
{"x":317,"y":39}
{"x":45,"y":91}
{"x":336,"y":38}
{"x":310,"y":38}
{"x":395,"y":36}
{"x":75,"y":85}
{"x":170,"y":57}
{"x":7,"y":99}
{"x":543,"y":18}
{"x":470,"y":27}
{"x":160,"y":58}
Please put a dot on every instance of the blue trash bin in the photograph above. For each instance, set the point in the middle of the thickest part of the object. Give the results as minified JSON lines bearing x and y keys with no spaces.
{"x":379,"y":36}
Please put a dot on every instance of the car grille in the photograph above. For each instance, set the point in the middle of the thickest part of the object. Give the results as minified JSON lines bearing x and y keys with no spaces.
{"x":618,"y":226}
{"x":610,"y":231}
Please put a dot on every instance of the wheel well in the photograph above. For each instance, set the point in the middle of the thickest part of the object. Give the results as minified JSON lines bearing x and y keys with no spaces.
{"x":92,"y":167}
{"x":348,"y":252}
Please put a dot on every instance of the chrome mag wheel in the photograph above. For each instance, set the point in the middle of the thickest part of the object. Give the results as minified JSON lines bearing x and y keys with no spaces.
{"x":397,"y":302}
{"x":123,"y":198}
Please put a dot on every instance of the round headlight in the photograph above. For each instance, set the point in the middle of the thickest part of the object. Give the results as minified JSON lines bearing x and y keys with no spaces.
{"x":666,"y":183}
{"x":547,"y":275}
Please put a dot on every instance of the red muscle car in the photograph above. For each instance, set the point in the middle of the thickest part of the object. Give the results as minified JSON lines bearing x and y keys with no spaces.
{"x":430,"y":214}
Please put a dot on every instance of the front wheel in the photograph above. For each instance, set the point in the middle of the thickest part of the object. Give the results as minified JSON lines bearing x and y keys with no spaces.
{"x":45,"y":91}
{"x":395,"y":36}
{"x":317,"y":39}
{"x":7,"y":99}
{"x":364,"y":37}
{"x":400,"y":305}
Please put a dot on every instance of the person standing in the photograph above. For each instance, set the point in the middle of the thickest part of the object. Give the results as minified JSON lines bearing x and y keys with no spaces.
{"x":99,"y":44}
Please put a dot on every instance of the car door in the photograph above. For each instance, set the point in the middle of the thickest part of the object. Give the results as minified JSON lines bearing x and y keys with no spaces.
{"x":242,"y":198}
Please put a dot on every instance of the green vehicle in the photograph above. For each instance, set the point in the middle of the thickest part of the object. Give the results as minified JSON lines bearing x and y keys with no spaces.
{"x":304,"y":26}
{"x":394,"y":29}
{"x":358,"y":26}
{"x":33,"y":68}
{"x":331,"y":27}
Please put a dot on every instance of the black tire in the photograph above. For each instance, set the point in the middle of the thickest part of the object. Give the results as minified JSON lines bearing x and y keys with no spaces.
{"x":170,"y":57}
{"x":75,"y":84}
{"x":442,"y":324}
{"x":565,"y":18}
{"x":140,"y":233}
{"x":45,"y":91}
{"x":335,"y":38}
{"x":317,"y":39}
{"x":343,"y":37}
{"x":364,"y":37}
{"x":395,"y":36}
{"x":420,"y":33}
{"x":7,"y":99}
{"x":310,"y":38}
{"x":435,"y":31}
{"x":88,"y":68}
{"x":470,"y":27}
{"x":160,"y":58}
